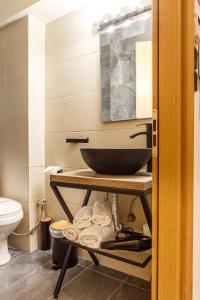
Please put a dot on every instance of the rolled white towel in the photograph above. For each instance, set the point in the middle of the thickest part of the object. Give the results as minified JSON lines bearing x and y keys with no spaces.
{"x":102,"y":214}
{"x":83,"y":218}
{"x":71,"y":233}
{"x":94,"y":235}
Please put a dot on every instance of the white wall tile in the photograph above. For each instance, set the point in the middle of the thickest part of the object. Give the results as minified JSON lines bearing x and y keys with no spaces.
{"x":36,"y":116}
{"x":17,"y":150}
{"x":17,"y":40}
{"x":2,"y":86}
{"x":2,"y":50}
{"x":2,"y":148}
{"x":36,"y":149}
{"x":75,"y":76}
{"x":17,"y":116}
{"x":15,"y":183}
{"x":81,"y":112}
{"x":71,"y":36}
{"x":2,"y":117}
{"x":36,"y":183}
{"x":17,"y":82}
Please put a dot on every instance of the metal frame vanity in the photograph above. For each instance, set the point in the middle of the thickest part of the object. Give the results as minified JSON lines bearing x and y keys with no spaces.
{"x":135,"y":185}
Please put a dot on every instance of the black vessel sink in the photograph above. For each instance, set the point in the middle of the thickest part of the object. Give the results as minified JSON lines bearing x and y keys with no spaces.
{"x":116,"y":161}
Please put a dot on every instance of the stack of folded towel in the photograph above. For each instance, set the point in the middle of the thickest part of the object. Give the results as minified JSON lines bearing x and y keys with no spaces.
{"x":102,"y":214}
{"x":83,"y":218}
{"x":91,"y":226}
{"x":94,"y":235}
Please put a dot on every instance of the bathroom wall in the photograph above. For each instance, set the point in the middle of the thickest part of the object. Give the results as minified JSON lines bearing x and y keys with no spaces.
{"x":9,"y":8}
{"x":73,"y":109}
{"x":22,"y":119}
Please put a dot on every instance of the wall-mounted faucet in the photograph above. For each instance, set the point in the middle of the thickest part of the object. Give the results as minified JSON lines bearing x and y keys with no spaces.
{"x":148,"y":134}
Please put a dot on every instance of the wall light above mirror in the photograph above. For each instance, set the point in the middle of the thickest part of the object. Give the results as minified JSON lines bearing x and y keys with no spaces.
{"x":126,"y":66}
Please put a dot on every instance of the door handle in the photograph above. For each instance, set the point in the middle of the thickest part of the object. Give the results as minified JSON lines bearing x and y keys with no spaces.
{"x":155,"y":133}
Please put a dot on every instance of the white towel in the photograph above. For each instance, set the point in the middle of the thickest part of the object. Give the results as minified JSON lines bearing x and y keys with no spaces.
{"x":94,"y":235}
{"x":83,"y":218}
{"x":102,"y":214}
{"x":71,"y":233}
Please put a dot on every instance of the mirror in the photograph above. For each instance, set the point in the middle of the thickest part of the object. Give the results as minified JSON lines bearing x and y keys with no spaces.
{"x":126,"y":70}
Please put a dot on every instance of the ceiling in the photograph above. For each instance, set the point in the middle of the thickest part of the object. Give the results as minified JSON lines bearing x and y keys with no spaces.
{"x":47,"y":10}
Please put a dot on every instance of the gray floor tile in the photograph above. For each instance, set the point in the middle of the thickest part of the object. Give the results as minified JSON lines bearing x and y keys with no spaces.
{"x":20,"y":266}
{"x":138,"y":282}
{"x":83,"y":262}
{"x":38,"y":285}
{"x":30,"y":277}
{"x":129,"y":292}
{"x":107,"y":271}
{"x":89,"y":285}
{"x":14,"y":252}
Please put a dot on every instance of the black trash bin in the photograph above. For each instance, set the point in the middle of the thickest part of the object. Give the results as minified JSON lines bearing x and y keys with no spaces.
{"x":59,"y":249}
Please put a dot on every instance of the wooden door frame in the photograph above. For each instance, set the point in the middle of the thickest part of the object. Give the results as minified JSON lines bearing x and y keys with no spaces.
{"x":173,"y":69}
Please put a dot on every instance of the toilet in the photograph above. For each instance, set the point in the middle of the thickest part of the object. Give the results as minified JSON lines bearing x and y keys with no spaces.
{"x":11,"y":214}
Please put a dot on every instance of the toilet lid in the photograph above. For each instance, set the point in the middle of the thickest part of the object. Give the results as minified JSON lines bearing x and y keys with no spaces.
{"x":9,"y":208}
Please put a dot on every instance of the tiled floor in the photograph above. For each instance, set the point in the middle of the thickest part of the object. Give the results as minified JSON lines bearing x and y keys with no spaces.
{"x":30,"y":277}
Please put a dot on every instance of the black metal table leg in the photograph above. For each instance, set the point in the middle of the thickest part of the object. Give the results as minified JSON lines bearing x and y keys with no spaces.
{"x":62,"y":272}
{"x":62,"y":202}
{"x":93,"y":257}
{"x":147,"y":210}
{"x":68,"y":212}
{"x":87,"y":198}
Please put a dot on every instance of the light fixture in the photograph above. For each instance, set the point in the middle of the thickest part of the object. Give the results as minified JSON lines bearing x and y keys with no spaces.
{"x":127,"y":23}
{"x":145,"y":16}
{"x":110,"y":29}
{"x":124,"y":18}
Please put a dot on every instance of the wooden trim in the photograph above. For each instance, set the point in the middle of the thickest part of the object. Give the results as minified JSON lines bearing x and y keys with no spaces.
{"x":176,"y":147}
{"x":138,"y":182}
{"x":170,"y":138}
{"x":187,"y":148}
{"x":155,"y":182}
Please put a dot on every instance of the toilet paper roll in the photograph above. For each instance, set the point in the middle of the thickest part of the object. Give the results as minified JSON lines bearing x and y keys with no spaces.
{"x":52,"y":170}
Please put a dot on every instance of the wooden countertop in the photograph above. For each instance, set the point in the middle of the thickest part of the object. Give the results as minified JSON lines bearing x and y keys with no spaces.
{"x":140,"y":181}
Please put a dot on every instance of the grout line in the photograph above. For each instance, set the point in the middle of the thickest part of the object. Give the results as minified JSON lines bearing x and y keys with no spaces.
{"x":53,"y":64}
{"x":94,"y":130}
{"x":123,"y":281}
{"x":109,"y":276}
{"x":49,"y":297}
{"x":115,"y":291}
{"x":20,"y":64}
{"x":84,"y":269}
{"x":66,"y":97}
{"x":59,"y":97}
{"x":136,"y":286}
{"x":37,"y":268}
{"x":117,"y":288}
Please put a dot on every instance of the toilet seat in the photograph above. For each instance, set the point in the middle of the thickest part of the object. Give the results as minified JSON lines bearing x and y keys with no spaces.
{"x":10,"y":211}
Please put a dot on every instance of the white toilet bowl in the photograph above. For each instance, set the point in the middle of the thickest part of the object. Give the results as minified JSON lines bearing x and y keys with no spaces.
{"x":11,"y":214}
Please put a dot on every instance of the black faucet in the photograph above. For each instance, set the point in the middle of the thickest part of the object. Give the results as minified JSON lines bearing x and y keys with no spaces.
{"x":148,"y":133}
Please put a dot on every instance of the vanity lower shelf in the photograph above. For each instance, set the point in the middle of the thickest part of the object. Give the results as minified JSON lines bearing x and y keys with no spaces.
{"x":135,"y":185}
{"x":120,"y":255}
